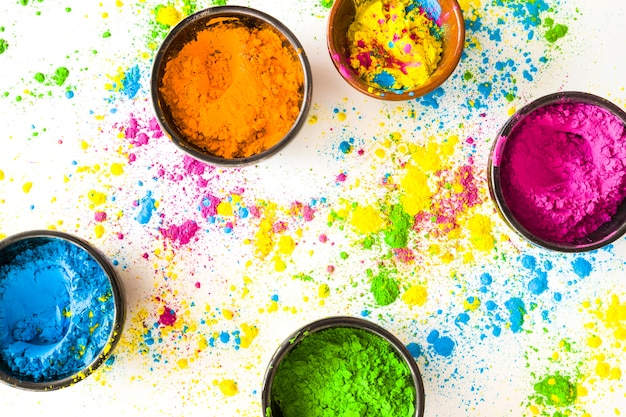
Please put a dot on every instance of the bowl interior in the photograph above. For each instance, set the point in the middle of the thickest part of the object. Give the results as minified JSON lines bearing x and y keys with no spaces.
{"x":341,"y":17}
{"x":99,"y":346}
{"x":607,"y":232}
{"x":186,"y":32}
{"x":270,"y":408}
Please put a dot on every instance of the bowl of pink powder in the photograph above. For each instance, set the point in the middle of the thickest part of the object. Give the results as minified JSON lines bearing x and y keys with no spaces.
{"x":557,"y":172}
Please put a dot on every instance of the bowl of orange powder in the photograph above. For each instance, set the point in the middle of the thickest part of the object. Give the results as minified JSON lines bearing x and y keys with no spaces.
{"x":231,"y":85}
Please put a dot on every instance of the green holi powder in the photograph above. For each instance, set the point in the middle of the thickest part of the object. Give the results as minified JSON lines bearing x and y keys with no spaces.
{"x":68,"y":9}
{"x":384,"y":288}
{"x":303,"y":277}
{"x":60,"y":75}
{"x":343,"y":371}
{"x":219,"y":2}
{"x":556,"y":32}
{"x":468,"y":76}
{"x":189,"y":7}
{"x":24,"y":2}
{"x":106,"y":34}
{"x":555,"y":390}
{"x":39,"y":77}
{"x":327,"y":3}
{"x":396,"y":235}
{"x":3,"y":45}
{"x":18,"y":98}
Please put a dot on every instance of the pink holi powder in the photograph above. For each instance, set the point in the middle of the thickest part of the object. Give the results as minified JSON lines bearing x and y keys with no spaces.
{"x":193,"y":166}
{"x":100,"y":216}
{"x":562,"y":170}
{"x":182,"y":233}
{"x":168,"y":318}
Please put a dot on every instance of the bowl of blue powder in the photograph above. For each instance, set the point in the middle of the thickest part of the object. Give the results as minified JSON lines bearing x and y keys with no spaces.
{"x":61,"y":310}
{"x":342,"y":366}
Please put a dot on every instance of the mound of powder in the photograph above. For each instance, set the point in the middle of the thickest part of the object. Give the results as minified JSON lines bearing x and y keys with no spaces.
{"x":562,"y":170}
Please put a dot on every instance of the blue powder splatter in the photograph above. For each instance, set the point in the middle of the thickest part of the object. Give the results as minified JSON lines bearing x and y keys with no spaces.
{"x":385,"y":80}
{"x":414,"y":349}
{"x":517,"y":311}
{"x":147,"y":208}
{"x":224,"y":337}
{"x":430,"y":100}
{"x":53,"y":322}
{"x":443,"y":345}
{"x":582,"y":267}
{"x":345,"y":147}
{"x":529,"y":262}
{"x":131,"y":82}
{"x":538,"y":284}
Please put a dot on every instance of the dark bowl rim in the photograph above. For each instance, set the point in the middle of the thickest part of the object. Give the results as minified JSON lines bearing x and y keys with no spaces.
{"x":493,"y":170}
{"x":118,"y":303}
{"x":230,"y":11}
{"x":341,"y":321}
{"x":391,"y":95}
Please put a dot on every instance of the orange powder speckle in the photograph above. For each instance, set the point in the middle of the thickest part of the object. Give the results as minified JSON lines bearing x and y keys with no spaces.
{"x":235,"y":90}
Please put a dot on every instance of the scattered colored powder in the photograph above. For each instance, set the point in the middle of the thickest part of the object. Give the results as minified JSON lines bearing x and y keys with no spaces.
{"x":562,"y":170}
{"x":517,"y":311}
{"x":56,"y":309}
{"x":366,"y":219}
{"x":131,"y":82}
{"x":228,"y":387}
{"x":582,"y":267}
{"x":249,"y":97}
{"x":394,"y":44}
{"x":555,"y":390}
{"x":384,"y":288}
{"x":4,"y":45}
{"x":60,"y":75}
{"x":443,"y":345}
{"x":327,"y":3}
{"x":167,"y":15}
{"x":416,"y":295}
{"x":556,"y":32}
{"x":397,"y":232}
{"x":343,"y":371}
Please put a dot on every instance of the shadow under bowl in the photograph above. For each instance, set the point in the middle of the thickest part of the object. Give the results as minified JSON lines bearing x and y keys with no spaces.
{"x":342,"y":15}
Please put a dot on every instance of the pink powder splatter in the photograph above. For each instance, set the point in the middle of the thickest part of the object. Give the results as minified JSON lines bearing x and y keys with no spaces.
{"x":168,"y":318}
{"x":279,"y":227}
{"x":323,"y":238}
{"x":341,"y":177}
{"x":100,"y":216}
{"x":183,"y":233}
{"x":193,"y":166}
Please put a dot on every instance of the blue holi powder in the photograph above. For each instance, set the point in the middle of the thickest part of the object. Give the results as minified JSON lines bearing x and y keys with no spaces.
{"x":147,"y":208}
{"x":527,"y":75}
{"x":385,"y":80}
{"x":274,"y":297}
{"x":462,"y":318}
{"x":224,"y":337}
{"x":558,"y":296}
{"x":485,"y":89}
{"x":443,"y":345}
{"x":243,"y":212}
{"x":56,"y":309}
{"x":491,"y":305}
{"x":495,"y":35}
{"x":414,"y":349}
{"x":517,"y":311}
{"x":486,"y":279}
{"x":538,"y":284}
{"x":582,"y":267}
{"x":345,"y":147}
{"x":431,"y":7}
{"x":529,"y":262}
{"x":430,"y":100}
{"x":131,"y":82}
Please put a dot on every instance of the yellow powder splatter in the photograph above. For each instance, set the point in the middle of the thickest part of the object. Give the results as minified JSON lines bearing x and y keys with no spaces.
{"x":594,"y":341}
{"x":182,"y":363}
{"x":96,"y":197}
{"x":427,"y":157}
{"x":417,"y":194}
{"x":27,"y":186}
{"x":273,"y":307}
{"x":168,"y":15}
{"x":249,"y":334}
{"x":279,"y":263}
{"x":481,"y":238}
{"x":225,"y":209}
{"x":471,"y":304}
{"x":416,"y":295}
{"x":117,"y":169}
{"x":99,"y":231}
{"x":286,"y":245}
{"x":323,"y":291}
{"x":228,"y":314}
{"x":264,"y":237}
{"x":228,"y":387}
{"x":1,"y":175}
{"x":313,"y":119}
{"x":366,"y":219}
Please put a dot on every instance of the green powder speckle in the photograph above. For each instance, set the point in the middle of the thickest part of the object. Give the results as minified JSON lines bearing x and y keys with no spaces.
{"x":60,"y":75}
{"x":384,"y":288}
{"x":3,"y":45}
{"x":18,"y":98}
{"x":219,"y":2}
{"x":396,"y":234}
{"x":344,"y":372}
{"x":555,"y":390}
{"x":106,"y":34}
{"x":39,"y":77}
{"x":24,"y":2}
{"x":327,"y":3}
{"x":556,"y":32}
{"x":468,"y":76}
{"x":68,"y":9}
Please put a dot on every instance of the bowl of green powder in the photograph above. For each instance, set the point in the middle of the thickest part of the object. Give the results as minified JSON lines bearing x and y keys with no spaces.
{"x":342,"y":366}
{"x":395,"y":49}
{"x":61,"y":310}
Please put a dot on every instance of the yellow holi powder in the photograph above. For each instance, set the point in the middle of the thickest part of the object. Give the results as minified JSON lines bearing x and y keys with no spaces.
{"x":279,"y":263}
{"x":182,"y":363}
{"x":1,"y":175}
{"x":98,"y":231}
{"x":168,"y":15}
{"x":427,"y":157}
{"x":249,"y":334}
{"x":228,"y":387}
{"x":313,"y":119}
{"x":366,"y":219}
{"x":417,"y":194}
{"x":273,"y":307}
{"x":286,"y":245}
{"x":594,"y":341}
{"x":341,"y":116}
{"x":471,"y":304}
{"x":117,"y":169}
{"x":225,"y":209}
{"x":96,"y":197}
{"x":264,"y":237}
{"x":416,"y":295}
{"x":228,"y":314}
{"x":392,"y":48}
{"x":27,"y":186}
{"x":481,"y":238}
{"x":323,"y":291}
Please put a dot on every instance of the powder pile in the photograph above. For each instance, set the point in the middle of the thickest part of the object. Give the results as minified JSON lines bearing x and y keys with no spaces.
{"x":394,"y":44}
{"x":56,"y":310}
{"x":562,"y":170}
{"x":234,"y":91}
{"x":344,"y":371}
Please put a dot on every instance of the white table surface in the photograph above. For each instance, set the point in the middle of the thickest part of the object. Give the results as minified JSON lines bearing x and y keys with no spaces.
{"x":65,"y":149}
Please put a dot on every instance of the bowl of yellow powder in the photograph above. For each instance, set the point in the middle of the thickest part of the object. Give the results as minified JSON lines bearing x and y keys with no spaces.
{"x":231,"y":85}
{"x":342,"y":366}
{"x":395,"y":49}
